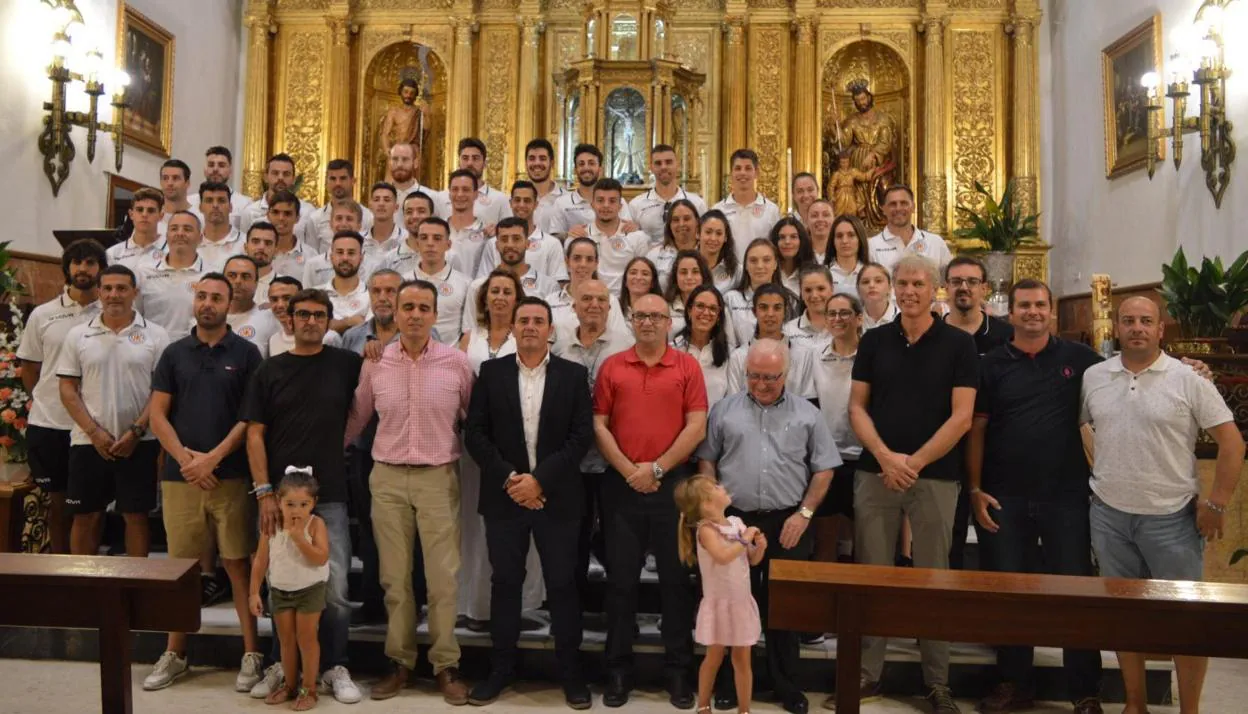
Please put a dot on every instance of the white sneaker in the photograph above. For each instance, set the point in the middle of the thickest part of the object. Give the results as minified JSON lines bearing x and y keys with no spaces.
{"x":250,"y":672}
{"x":338,"y":679}
{"x":274,"y":678}
{"x":168,"y":668}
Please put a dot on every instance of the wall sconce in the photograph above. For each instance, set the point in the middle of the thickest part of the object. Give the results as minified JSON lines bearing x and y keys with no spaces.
{"x":55,"y":143}
{"x":1203,"y":41}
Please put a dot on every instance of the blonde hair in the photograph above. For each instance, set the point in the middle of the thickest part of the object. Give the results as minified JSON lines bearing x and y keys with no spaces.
{"x":690,"y":495}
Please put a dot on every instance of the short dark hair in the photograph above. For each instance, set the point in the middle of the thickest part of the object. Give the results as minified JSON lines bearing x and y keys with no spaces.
{"x":148,"y":193}
{"x":119,"y":269}
{"x":1029,"y":284}
{"x":220,"y":277}
{"x":471,"y":142}
{"x":533,"y":300}
{"x":260,"y":226}
{"x":80,"y":251}
{"x":899,"y":187}
{"x":523,"y":185}
{"x":590,"y":149}
{"x":198,"y":223}
{"x":180,"y":165}
{"x":422,"y":196}
{"x":295,"y":283}
{"x":248,"y":258}
{"x":409,"y":82}
{"x":661,"y":148}
{"x":512,"y":222}
{"x":210,"y":186}
{"x":285,"y":197}
{"x":437,"y":222}
{"x":282,"y":157}
{"x":220,"y":151}
{"x":747,"y":154}
{"x":341,"y":165}
{"x":384,"y":186}
{"x":320,"y":297}
{"x":966,"y":260}
{"x":464,"y":173}
{"x":540,"y":144}
{"x":348,"y":234}
{"x":420,"y":285}
{"x":607,"y":184}
{"x":772,"y":289}
{"x":299,"y":479}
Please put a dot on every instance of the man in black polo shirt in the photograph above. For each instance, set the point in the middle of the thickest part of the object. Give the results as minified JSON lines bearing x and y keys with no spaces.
{"x":1026,"y":451}
{"x":912,"y":400}
{"x":197,"y":397}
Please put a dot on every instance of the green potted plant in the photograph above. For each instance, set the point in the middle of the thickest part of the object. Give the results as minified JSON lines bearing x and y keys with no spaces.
{"x":997,"y":230}
{"x":1204,"y":301}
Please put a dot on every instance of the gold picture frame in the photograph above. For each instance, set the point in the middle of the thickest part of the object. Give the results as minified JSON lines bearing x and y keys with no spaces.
{"x":1127,"y":116}
{"x":145,"y":51}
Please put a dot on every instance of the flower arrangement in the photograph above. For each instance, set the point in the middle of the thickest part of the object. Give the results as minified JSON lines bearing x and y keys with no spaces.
{"x":14,"y":399}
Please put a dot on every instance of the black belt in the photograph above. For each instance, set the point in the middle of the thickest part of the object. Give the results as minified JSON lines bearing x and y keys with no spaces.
{"x":769,"y":511}
{"x":410,"y":466}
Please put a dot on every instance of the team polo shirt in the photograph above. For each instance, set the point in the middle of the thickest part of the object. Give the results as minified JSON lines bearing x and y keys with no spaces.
{"x":348,"y":304}
{"x":1033,"y":448}
{"x":615,"y":251}
{"x":544,"y":255}
{"x":912,"y":389}
{"x":886,"y":248}
{"x":167,"y":294}
{"x":571,"y":210}
{"x":319,"y":269}
{"x":42,"y":341}
{"x":801,"y":331}
{"x":544,"y":214}
{"x":207,"y":385}
{"x":467,"y":245}
{"x":646,"y":405}
{"x":533,"y":284}
{"x":564,"y":311}
{"x":377,"y":246}
{"x":490,"y":207}
{"x":844,"y":282}
{"x":650,"y":211}
{"x":238,"y":202}
{"x":257,"y":326}
{"x":453,"y":287}
{"x":890,"y":315}
{"x":800,"y":380}
{"x":127,"y":251}
{"x":402,"y":259}
{"x":293,"y":262}
{"x":417,"y":188}
{"x":215,"y":254}
{"x":750,"y":221}
{"x":115,"y":369}
{"x":318,"y":234}
{"x":258,"y":210}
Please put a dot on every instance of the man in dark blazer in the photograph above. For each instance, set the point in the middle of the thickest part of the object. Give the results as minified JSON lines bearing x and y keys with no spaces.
{"x":529,"y":424}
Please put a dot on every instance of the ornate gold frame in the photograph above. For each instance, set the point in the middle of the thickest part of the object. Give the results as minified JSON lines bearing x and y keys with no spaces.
{"x":163,"y":143}
{"x":1115,"y":165}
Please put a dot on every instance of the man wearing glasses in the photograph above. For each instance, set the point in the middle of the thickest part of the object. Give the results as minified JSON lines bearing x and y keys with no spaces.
{"x":774,"y":453}
{"x":649,"y":415}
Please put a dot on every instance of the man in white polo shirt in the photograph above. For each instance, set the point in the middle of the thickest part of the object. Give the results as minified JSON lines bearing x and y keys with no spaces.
{"x":279,"y":176}
{"x":433,"y":240}
{"x":175,"y":177}
{"x":105,"y":370}
{"x":489,"y":205}
{"x":340,"y":182}
{"x":291,"y":254}
{"x":1148,"y":518}
{"x":467,"y":230}
{"x":572,"y":214}
{"x":544,"y":251}
{"x":347,"y":291}
{"x":512,"y":242}
{"x":616,"y":244}
{"x":403,"y":258}
{"x":260,"y":245}
{"x":221,"y":240}
{"x":539,"y":161}
{"x":319,"y":269}
{"x":247,"y":319}
{"x":901,"y":236}
{"x":387,"y":231}
{"x":47,"y":430}
{"x":280,"y":291}
{"x":219,"y":168}
{"x":404,"y":167}
{"x":146,"y":209}
{"x":750,"y":213}
{"x":166,"y":296}
{"x":650,"y":209}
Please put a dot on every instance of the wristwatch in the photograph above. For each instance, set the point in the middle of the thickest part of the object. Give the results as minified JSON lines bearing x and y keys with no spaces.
{"x":806,"y":513}
{"x":657,"y":471}
{"x":137,"y":430}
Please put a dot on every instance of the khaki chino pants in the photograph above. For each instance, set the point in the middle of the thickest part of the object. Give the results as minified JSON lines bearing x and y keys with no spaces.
{"x":407,"y":500}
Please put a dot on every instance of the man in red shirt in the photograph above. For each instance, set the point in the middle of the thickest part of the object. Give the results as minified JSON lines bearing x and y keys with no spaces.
{"x":649,"y":415}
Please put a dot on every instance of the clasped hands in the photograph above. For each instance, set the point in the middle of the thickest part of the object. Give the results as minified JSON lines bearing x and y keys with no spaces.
{"x":111,"y":448}
{"x":899,"y":471}
{"x":525,"y":491}
{"x":642,"y":478}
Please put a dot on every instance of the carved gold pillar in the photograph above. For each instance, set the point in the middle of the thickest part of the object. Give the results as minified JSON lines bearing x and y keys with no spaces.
{"x":527,"y":106}
{"x":338,"y":87}
{"x":459,"y":107}
{"x":770,"y":62}
{"x":1025,"y":117}
{"x":499,"y":45}
{"x":736,"y":104}
{"x":934,"y":197}
{"x":806,"y":139}
{"x":256,"y":102}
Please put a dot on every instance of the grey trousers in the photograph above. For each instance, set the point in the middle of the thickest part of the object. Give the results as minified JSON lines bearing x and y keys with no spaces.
{"x":930,"y":504}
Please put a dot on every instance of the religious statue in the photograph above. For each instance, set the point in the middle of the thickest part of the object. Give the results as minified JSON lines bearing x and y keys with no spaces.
{"x":404,"y":124}
{"x":870,"y":138}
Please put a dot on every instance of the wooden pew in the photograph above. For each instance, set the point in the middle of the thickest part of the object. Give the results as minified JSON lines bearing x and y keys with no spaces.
{"x":1187,"y":618}
{"x":112,"y":595}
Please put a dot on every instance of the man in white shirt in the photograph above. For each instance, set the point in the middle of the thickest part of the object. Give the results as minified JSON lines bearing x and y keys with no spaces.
{"x":386,"y":233}
{"x":751,"y":213}
{"x":219,"y":168}
{"x":539,"y":160}
{"x":901,"y":236}
{"x":770,"y":311}
{"x":221,"y":240}
{"x":47,"y":430}
{"x":340,"y":182}
{"x":290,"y":255}
{"x":279,"y":177}
{"x":467,"y":230}
{"x":1148,"y":519}
{"x":175,"y":177}
{"x":247,"y":319}
{"x":347,"y":292}
{"x":650,"y":209}
{"x":490,"y":205}
{"x":403,"y":258}
{"x":282,"y":289}
{"x":165,"y":294}
{"x":404,"y":167}
{"x":319,"y":269}
{"x":146,"y":210}
{"x":544,"y":251}
{"x":616,"y":244}
{"x":433,"y":241}
{"x":572,"y":214}
{"x":512,"y":243}
{"x":260,"y":246}
{"x":105,"y":370}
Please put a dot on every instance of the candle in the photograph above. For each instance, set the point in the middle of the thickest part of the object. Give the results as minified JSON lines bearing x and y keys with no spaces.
{"x":788,"y":178}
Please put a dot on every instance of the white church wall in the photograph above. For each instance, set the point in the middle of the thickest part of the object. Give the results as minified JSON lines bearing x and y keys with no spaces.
{"x":206,"y":90}
{"x":1129,"y":226}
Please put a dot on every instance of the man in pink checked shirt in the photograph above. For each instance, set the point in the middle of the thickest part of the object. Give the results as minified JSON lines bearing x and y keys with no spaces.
{"x":419,"y":390}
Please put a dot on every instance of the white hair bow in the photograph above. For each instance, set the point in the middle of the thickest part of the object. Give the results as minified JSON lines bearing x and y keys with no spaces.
{"x":299,"y":470}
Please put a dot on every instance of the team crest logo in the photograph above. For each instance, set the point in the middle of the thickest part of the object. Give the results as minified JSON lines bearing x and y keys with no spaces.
{"x":529,"y":282}
{"x":482,"y":199}
{"x":617,"y":244}
{"x":445,"y":290}
{"x":246,"y":332}
{"x":758,"y":211}
{"x":476,"y":236}
{"x":298,"y":260}
{"x":137,"y":338}
{"x":354,"y":304}
{"x":534,"y":243}
{"x":920,"y":245}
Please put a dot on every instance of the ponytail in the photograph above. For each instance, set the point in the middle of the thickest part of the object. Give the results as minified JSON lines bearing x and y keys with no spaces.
{"x":690,"y":494}
{"x":686,"y":535}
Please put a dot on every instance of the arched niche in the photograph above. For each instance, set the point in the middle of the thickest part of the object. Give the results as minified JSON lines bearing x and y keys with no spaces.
{"x":380,"y":92}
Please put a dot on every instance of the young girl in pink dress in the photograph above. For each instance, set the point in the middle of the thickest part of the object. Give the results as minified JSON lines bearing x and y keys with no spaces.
{"x":723,"y":549}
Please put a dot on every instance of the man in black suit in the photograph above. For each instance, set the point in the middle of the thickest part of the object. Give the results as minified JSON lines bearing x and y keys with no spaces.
{"x":529,"y":424}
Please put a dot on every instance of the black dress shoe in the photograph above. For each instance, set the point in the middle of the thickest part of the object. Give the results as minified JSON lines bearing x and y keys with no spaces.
{"x":481,"y":627}
{"x":577,"y":695}
{"x":725,"y":701}
{"x":680,"y":692}
{"x":618,"y":689}
{"x":796,"y":704}
{"x":489,"y":690}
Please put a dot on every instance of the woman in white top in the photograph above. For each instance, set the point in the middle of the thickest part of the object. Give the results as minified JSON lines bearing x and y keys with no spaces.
{"x":582,"y":261}
{"x":875,"y":289}
{"x":688,"y":272}
{"x":640,"y":279}
{"x":762,"y":266}
{"x":718,"y":248}
{"x":819,"y":225}
{"x":811,"y":328}
{"x":834,"y":533}
{"x":849,"y":254}
{"x":793,"y":244}
{"x":704,"y":336}
{"x":679,"y":233}
{"x":492,"y":337}
{"x":805,"y":192}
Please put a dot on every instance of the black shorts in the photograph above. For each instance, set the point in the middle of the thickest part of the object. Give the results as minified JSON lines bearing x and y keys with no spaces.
{"x":840,"y":498}
{"x":48,"y":452}
{"x":95,"y":482}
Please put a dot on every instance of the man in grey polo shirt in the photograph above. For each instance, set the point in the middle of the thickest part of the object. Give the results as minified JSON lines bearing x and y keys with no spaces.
{"x":774,"y":453}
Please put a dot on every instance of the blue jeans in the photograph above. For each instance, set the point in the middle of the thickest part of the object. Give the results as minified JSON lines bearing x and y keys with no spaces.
{"x":1166,"y":547}
{"x":1050,"y":537}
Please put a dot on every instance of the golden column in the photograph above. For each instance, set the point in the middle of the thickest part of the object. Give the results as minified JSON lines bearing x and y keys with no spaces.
{"x":934,"y":159}
{"x":1025,"y":118}
{"x":459,"y":108}
{"x":338,"y":87}
{"x":736,"y":105}
{"x":806,"y":139}
{"x":527,"y":106}
{"x":256,"y":103}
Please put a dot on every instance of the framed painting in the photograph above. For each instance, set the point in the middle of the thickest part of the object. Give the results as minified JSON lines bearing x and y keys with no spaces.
{"x":145,"y":52}
{"x":1126,"y":101}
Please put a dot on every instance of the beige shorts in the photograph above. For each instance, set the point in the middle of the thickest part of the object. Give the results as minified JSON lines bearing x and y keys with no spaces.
{"x":195,"y":517}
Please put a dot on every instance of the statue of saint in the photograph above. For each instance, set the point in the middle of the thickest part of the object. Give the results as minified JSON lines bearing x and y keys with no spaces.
{"x":404,"y":124}
{"x":870,"y":137}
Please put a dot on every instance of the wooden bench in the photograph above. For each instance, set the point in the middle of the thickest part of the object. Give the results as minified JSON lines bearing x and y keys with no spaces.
{"x":1187,"y":618}
{"x":12,"y":518}
{"x":112,"y":595}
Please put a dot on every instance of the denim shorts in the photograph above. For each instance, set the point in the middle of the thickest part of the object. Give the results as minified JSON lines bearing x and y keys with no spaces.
{"x":1166,"y":547}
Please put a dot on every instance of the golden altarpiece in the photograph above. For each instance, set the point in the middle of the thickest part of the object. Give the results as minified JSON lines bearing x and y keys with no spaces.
{"x":950,"y":96}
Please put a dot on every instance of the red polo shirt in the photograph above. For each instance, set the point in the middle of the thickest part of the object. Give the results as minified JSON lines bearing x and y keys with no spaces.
{"x":647,"y":405}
